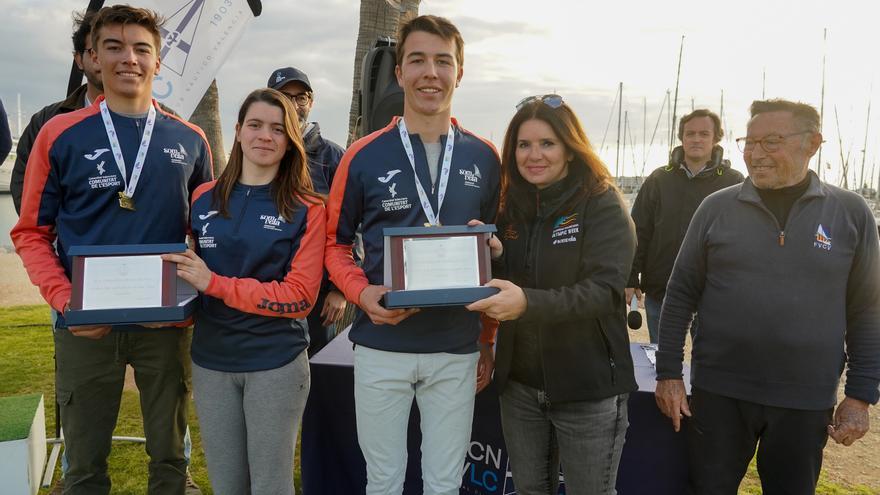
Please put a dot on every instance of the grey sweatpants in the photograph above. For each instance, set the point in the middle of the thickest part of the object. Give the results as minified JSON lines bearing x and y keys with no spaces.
{"x":249,"y":423}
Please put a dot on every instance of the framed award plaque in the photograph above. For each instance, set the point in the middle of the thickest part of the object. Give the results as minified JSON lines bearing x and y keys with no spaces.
{"x":127,"y":284}
{"x":437,"y":266}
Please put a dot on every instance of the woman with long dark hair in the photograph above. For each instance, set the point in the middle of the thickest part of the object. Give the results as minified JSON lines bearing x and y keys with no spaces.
{"x":259,"y":231}
{"x":563,"y":367}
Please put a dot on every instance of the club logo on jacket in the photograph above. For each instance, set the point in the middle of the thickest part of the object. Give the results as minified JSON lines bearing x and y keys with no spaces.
{"x":471,"y":178}
{"x":565,"y":229}
{"x":271,"y":222}
{"x":101,"y":181}
{"x":823,"y":240}
{"x":393,"y":203}
{"x":177,"y":156}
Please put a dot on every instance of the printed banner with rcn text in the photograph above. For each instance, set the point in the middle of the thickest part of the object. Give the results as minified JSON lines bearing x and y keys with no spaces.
{"x":197,"y":37}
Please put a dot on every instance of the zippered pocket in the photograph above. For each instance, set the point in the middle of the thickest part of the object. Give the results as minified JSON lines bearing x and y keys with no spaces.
{"x":608,"y":351}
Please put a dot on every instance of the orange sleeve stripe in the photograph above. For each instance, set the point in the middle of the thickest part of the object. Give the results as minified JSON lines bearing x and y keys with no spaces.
{"x":490,"y":329}
{"x":202,"y":189}
{"x":344,"y":273}
{"x":295,"y":295}
{"x":34,"y":243}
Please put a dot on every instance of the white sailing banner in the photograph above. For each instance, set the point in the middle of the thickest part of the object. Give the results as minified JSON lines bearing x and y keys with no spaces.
{"x":197,"y":37}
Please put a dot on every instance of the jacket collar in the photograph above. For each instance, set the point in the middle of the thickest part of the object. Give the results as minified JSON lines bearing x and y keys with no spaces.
{"x":75,"y":100}
{"x":312,"y":137}
{"x":749,"y":193}
{"x":552,"y":197}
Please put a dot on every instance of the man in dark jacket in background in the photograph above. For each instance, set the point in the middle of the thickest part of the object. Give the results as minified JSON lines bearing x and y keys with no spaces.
{"x":81,"y":97}
{"x":667,"y":201}
{"x":324,"y":156}
{"x":5,"y":134}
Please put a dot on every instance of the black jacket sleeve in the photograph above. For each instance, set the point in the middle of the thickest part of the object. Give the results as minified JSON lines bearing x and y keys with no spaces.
{"x":682,"y":295}
{"x":23,"y":152}
{"x":863,"y":313}
{"x":606,"y":258}
{"x":5,"y":134}
{"x":643,"y":217}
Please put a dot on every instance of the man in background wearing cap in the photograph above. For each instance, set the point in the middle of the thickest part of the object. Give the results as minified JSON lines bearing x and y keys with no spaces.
{"x":324,"y":156}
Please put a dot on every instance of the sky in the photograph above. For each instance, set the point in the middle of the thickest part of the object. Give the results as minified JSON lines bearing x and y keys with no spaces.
{"x":516,"y":48}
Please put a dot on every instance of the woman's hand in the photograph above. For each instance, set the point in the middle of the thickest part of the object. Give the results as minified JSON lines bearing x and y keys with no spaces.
{"x":191,"y":268}
{"x":495,"y":246}
{"x":509,"y":304}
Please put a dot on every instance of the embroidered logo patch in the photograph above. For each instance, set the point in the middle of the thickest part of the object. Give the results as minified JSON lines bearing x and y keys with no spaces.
{"x":271,"y":222}
{"x":471,"y":178}
{"x":177,"y":155}
{"x":565,"y":229}
{"x":823,"y":240}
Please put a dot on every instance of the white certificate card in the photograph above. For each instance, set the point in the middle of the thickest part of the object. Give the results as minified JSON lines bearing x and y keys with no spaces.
{"x":441,"y":262}
{"x":112,"y":282}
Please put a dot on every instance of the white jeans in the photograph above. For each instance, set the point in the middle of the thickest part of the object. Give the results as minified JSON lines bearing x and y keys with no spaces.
{"x":443,"y":386}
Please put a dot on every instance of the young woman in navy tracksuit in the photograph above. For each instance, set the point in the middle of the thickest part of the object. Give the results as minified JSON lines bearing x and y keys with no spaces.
{"x":259,"y":232}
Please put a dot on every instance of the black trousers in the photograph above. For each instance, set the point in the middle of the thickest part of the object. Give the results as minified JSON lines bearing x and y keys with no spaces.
{"x":722,"y":436}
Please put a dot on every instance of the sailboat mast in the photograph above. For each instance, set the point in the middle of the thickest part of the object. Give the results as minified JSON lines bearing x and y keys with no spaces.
{"x":644,"y":130}
{"x":843,"y":163}
{"x":675,"y":103}
{"x":619,"y":122}
{"x":865,"y":146}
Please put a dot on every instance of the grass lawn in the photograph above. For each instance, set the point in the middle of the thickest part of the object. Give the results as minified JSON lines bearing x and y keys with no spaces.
{"x":26,"y":367}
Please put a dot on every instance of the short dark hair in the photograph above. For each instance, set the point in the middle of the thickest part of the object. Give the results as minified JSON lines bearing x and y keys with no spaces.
{"x":702,"y":112}
{"x":126,"y":14}
{"x":804,"y":114}
{"x":433,"y":24}
{"x":82,"y":28}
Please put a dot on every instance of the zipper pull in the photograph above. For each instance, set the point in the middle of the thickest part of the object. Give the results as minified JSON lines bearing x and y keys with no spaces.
{"x":782,"y":238}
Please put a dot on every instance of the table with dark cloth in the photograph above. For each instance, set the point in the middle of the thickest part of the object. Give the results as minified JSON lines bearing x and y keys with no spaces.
{"x":654,"y":457}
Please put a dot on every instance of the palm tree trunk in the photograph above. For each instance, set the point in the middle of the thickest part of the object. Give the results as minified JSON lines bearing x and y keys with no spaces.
{"x":207,"y":116}
{"x":377,"y":18}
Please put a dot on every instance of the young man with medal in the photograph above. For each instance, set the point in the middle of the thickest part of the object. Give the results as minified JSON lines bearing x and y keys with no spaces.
{"x":120,"y":171}
{"x":421,"y":169}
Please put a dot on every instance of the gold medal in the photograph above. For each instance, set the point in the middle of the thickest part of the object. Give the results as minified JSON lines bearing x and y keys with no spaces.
{"x":125,"y":201}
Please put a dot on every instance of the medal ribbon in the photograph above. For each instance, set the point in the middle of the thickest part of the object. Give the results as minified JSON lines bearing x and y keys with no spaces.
{"x":444,"y":171}
{"x":130,"y":185}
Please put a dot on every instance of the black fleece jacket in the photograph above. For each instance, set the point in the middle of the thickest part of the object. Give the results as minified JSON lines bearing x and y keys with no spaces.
{"x":572,"y":261}
{"x":662,"y":212}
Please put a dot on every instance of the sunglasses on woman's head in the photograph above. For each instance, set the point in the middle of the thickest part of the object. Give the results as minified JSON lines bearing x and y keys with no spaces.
{"x":551,"y":100}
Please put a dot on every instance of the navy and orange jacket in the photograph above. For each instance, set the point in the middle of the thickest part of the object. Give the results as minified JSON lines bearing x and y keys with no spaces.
{"x":266,"y":275}
{"x":374,"y":186}
{"x":71,"y":190}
